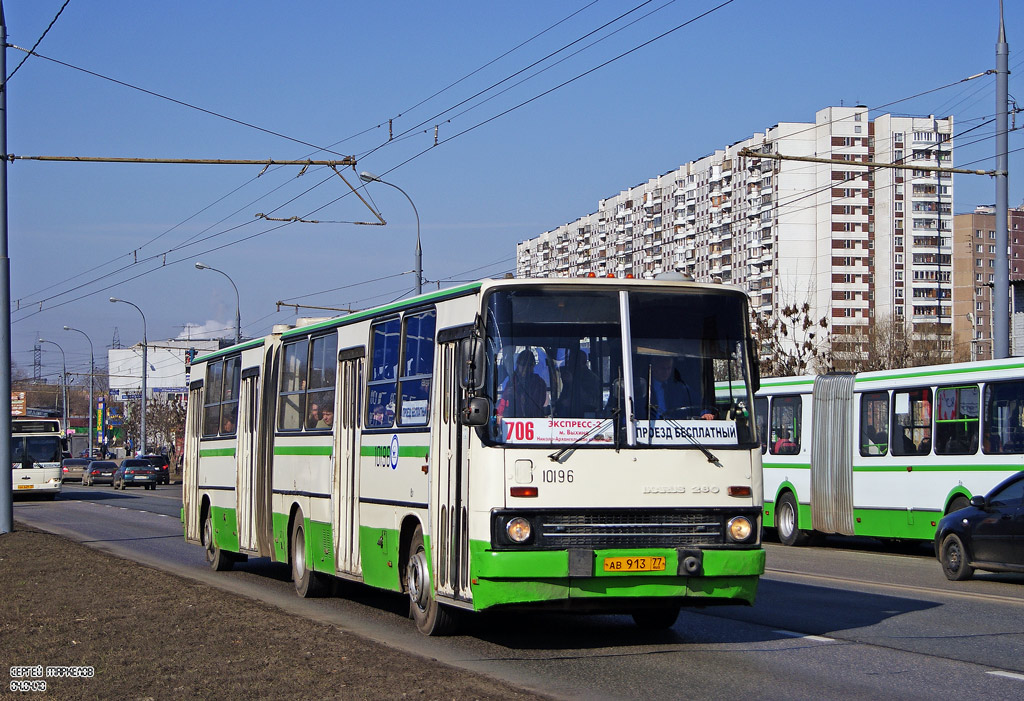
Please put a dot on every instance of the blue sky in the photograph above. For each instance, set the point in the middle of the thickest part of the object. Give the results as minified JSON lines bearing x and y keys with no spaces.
{"x":333,"y":73}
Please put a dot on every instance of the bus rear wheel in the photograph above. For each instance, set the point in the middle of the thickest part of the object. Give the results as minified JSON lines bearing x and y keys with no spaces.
{"x":786,"y":520}
{"x":432,"y":618}
{"x":215,"y":557}
{"x":308,"y":584}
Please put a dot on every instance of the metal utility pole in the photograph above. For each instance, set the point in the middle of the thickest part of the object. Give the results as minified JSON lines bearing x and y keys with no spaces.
{"x":1001,"y":289}
{"x":92,"y":377}
{"x":6,"y":487}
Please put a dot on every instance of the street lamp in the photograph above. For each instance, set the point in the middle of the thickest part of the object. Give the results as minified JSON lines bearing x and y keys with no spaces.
{"x":92,"y":378}
{"x":238,"y":305}
{"x":145,"y":368}
{"x":371,"y":178}
{"x":63,"y":383}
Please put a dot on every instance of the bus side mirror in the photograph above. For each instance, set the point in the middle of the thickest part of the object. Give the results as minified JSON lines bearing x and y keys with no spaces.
{"x":471,"y":364}
{"x":476,"y":411}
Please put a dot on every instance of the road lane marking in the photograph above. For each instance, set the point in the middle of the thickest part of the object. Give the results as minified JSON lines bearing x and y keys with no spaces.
{"x":860,"y":583}
{"x":794,"y":634}
{"x":1009,"y":674}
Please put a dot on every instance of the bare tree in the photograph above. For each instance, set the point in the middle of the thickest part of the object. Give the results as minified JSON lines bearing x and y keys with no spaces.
{"x":165,"y":423}
{"x":888,"y":343}
{"x":792,"y":342}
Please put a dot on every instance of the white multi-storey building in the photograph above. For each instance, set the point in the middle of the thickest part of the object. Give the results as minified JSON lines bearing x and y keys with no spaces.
{"x":851,"y":240}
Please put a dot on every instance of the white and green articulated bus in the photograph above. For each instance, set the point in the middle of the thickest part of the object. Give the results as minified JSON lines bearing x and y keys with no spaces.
{"x":886,"y":454}
{"x":506,"y":443}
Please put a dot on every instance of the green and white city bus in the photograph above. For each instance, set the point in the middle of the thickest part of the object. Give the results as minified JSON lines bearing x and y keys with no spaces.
{"x":887,"y":454}
{"x":500,"y":444}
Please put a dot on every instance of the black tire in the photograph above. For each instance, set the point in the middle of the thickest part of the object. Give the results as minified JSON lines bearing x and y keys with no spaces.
{"x":308,"y":584}
{"x":657,"y":618}
{"x":954,"y":560}
{"x":431,"y":617}
{"x":786,"y":521}
{"x":959,"y":502}
{"x":215,"y":557}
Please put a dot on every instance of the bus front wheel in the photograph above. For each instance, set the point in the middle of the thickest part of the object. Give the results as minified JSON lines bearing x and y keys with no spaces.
{"x":431,"y":617}
{"x":786,"y":520}
{"x":658,"y":618}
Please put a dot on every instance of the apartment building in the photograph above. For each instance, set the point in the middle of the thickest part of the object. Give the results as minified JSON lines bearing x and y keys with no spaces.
{"x":974,"y":262}
{"x":853,"y":241}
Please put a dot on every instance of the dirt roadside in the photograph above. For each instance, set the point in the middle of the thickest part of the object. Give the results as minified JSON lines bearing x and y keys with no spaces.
{"x":65,"y":604}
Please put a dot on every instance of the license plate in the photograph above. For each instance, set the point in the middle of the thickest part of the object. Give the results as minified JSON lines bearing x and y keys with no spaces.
{"x":24,"y":486}
{"x":642,"y":563}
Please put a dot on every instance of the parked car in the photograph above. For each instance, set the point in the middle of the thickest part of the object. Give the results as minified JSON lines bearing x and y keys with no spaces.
{"x":135,"y":472}
{"x":163,"y":467}
{"x":99,"y":472}
{"x":72,"y":469}
{"x":987,"y":535}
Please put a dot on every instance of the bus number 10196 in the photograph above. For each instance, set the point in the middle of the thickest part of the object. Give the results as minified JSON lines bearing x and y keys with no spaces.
{"x":556,"y":476}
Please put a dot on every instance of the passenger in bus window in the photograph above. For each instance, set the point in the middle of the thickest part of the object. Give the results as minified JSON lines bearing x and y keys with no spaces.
{"x":326,"y":417}
{"x":314,"y":415}
{"x":580,"y":395}
{"x":785,"y":444}
{"x":526,"y":393}
{"x":229,"y":425}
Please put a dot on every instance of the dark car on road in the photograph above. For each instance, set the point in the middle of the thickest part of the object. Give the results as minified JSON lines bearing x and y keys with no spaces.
{"x":987,"y":535}
{"x":162,"y":466}
{"x":135,"y":472}
{"x":72,"y":469}
{"x":99,"y":472}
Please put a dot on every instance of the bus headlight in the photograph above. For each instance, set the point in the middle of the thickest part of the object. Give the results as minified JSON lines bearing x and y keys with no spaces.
{"x":739,"y":528}
{"x":518,"y":530}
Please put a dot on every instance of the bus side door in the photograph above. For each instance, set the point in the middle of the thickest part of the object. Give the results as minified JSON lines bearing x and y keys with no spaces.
{"x":346,"y":463}
{"x":450,"y":483}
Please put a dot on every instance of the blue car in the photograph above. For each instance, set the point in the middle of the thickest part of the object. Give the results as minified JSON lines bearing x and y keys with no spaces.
{"x":135,"y":472}
{"x":987,"y":535}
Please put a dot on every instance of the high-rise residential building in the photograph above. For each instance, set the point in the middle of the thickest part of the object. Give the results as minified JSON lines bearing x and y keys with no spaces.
{"x":855,"y":242}
{"x":974,"y":262}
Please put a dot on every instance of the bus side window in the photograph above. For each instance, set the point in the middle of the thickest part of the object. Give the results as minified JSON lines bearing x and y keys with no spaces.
{"x":786,"y":425}
{"x":912,"y":421}
{"x":761,"y":413}
{"x":1004,"y":418}
{"x":956,"y":420}
{"x":874,"y":421}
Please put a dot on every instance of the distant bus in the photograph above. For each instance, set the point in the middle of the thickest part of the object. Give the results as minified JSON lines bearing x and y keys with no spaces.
{"x":887,"y":454}
{"x":393,"y":448}
{"x":37,"y":447}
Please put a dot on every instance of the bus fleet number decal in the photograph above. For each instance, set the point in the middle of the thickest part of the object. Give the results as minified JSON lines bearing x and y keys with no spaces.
{"x":556,"y":476}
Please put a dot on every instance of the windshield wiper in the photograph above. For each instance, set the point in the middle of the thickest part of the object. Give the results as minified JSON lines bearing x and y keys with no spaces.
{"x":561,"y":453}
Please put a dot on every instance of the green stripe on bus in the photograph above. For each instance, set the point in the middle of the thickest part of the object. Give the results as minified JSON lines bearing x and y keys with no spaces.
{"x":969,"y":368}
{"x":1008,"y":469}
{"x":404,"y":451}
{"x":303,"y":450}
{"x":217,"y":453}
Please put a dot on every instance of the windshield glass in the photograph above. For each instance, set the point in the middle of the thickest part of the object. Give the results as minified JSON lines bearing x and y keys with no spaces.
{"x":689,"y":365}
{"x":38,"y":448}
{"x":556,"y":374}
{"x":552,"y":361}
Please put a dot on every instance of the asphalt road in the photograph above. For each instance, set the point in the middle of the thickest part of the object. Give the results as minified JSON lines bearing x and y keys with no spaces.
{"x":854,"y":619}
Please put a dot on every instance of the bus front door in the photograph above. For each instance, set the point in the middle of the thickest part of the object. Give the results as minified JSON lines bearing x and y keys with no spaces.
{"x":346,"y":462}
{"x":248,"y":427}
{"x":450,"y":484}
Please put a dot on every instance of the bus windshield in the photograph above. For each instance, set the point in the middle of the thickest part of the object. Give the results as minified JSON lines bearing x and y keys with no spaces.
{"x":557,"y":374}
{"x":39,"y":448}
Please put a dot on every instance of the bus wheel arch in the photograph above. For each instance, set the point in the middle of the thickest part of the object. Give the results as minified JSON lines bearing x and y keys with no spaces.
{"x":787,"y":520}
{"x":956,"y":501}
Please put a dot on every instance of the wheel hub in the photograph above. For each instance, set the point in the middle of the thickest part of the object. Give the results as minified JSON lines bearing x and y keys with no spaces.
{"x":416,"y":577}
